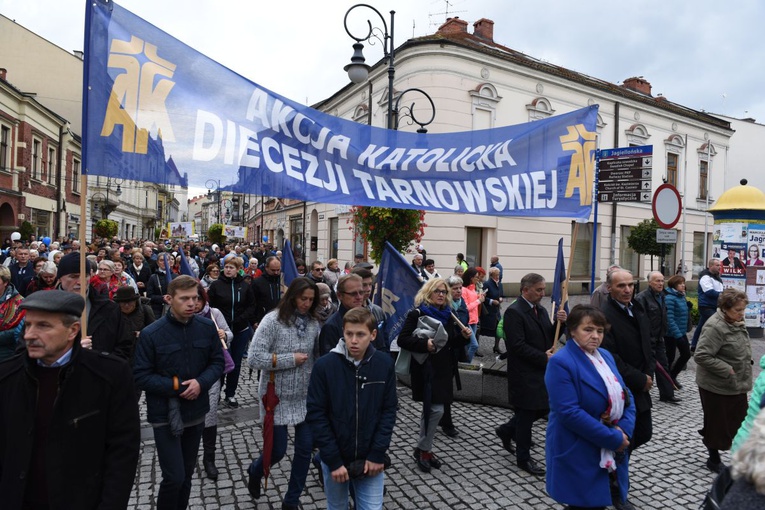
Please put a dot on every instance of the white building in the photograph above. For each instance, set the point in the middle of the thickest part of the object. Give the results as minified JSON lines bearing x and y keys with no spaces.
{"x":477,"y":84}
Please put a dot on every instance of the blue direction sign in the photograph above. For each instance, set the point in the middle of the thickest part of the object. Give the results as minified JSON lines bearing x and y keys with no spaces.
{"x":624,"y":174}
{"x":627,"y":152}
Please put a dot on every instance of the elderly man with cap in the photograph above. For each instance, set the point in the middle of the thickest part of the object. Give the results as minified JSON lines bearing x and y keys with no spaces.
{"x":69,"y":423}
{"x":105,"y":332}
{"x":136,"y":314}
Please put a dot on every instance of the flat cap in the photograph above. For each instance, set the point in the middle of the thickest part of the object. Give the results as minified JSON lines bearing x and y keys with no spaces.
{"x":56,"y":301}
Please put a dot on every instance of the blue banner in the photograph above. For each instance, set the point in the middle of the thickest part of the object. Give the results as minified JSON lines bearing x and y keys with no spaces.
{"x":397,"y":284}
{"x":148,"y":96}
{"x":560,"y":277}
{"x":289,"y":269}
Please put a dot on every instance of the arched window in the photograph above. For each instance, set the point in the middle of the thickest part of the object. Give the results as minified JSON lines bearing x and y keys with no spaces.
{"x":539,"y":108}
{"x":637,"y":134}
{"x":484,"y":105}
{"x":673,"y":147}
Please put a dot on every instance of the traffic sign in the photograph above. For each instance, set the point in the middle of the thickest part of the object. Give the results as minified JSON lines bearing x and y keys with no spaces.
{"x":627,"y":152}
{"x":666,"y":236}
{"x":622,"y":196}
{"x":667,"y":206}
{"x":626,"y":163}
{"x":624,"y":186}
{"x":618,"y":175}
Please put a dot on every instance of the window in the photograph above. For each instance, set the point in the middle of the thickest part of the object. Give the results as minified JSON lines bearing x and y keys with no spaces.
{"x":539,"y":108}
{"x":333,"y":237}
{"x":672,"y":169}
{"x":703,"y":179}
{"x":51,"y":166}
{"x":628,"y":258}
{"x":474,"y":246}
{"x":581,"y":267}
{"x":75,"y":175}
{"x":485,"y":100}
{"x":36,"y":158}
{"x":699,"y":257}
{"x":5,"y":145}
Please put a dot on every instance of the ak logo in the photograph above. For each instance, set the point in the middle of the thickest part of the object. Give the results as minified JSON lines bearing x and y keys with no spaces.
{"x":581,"y":175}
{"x":137,"y":100}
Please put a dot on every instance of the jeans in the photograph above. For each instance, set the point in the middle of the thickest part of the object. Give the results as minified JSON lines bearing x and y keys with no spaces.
{"x":236,"y":349}
{"x":177,"y":459}
{"x":301,"y":459}
{"x":705,"y":313}
{"x":472,"y":347}
{"x":428,"y":430}
{"x":368,"y":490}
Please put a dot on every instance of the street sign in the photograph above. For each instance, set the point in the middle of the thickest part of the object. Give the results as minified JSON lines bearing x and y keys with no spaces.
{"x":666,"y":236}
{"x":630,"y":173}
{"x":625,"y":163}
{"x":624,"y":174}
{"x":625,"y":196}
{"x":667,"y":206}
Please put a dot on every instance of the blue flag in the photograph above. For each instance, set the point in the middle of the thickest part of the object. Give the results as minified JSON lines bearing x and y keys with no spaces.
{"x":560,"y":277}
{"x":185,"y":267}
{"x":147,"y":95}
{"x":397,"y":284}
{"x":289,"y":269}
{"x":168,"y":271}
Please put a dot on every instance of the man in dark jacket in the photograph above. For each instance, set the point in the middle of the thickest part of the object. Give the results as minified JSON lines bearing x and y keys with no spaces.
{"x":69,"y":423}
{"x":177,"y":360}
{"x":652,"y":301}
{"x":355,"y":423}
{"x":22,"y":271}
{"x":629,"y":340}
{"x":267,"y":288}
{"x":529,"y":337}
{"x":710,"y":288}
{"x":135,"y":313}
{"x":351,"y":295}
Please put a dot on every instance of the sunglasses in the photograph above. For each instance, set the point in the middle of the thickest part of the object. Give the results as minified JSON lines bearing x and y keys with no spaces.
{"x":358,"y":293}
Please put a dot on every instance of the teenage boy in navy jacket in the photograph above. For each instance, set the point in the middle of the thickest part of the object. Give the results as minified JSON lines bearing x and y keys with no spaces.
{"x":354,"y":427}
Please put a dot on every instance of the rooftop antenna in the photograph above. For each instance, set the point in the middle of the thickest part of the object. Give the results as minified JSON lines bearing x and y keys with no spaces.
{"x":446,"y":14}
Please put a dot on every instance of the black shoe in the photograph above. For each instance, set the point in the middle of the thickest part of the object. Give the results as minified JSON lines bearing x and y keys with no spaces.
{"x":416,"y":454}
{"x":623,"y":506}
{"x":714,"y":467}
{"x":478,"y":355}
{"x":497,"y":351}
{"x":678,"y":385}
{"x":210,"y":469}
{"x":253,"y":485}
{"x":423,"y":464}
{"x":231,"y":402}
{"x":451,"y":431}
{"x":433,"y":460}
{"x":671,"y":400}
{"x":507,"y":442}
{"x":285,"y":506}
{"x":531,"y":467}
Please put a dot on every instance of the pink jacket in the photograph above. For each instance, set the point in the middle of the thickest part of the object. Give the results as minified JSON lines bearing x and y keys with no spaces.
{"x":471,"y":301}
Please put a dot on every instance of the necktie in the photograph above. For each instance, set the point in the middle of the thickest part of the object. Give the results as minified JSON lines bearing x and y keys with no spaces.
{"x":536,"y":312}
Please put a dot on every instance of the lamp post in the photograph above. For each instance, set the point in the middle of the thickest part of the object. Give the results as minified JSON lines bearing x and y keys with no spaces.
{"x":214,"y":184}
{"x":358,"y":70}
{"x":106,"y":207}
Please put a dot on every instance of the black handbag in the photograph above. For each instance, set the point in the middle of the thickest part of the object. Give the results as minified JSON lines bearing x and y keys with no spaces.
{"x":720,"y":487}
{"x":356,"y":468}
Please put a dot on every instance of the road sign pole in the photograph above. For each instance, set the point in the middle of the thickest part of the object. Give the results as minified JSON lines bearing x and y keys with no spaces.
{"x":594,"y":224}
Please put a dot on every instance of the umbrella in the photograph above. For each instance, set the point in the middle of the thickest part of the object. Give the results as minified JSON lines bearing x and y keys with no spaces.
{"x":270,"y":401}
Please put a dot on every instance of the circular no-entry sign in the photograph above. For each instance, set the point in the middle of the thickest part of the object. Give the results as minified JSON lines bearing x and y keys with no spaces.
{"x":666,"y":206}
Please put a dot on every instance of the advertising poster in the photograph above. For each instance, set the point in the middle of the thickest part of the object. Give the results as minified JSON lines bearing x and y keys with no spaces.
{"x":733,"y":256}
{"x":234,"y":231}
{"x":730,"y":233}
{"x":752,"y":315}
{"x":755,"y":251}
{"x":180,"y":230}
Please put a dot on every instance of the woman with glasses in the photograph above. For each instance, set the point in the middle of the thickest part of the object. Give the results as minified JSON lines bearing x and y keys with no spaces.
{"x":123,"y":276}
{"x":432,"y":379}
{"x":212,"y":272}
{"x":105,"y":281}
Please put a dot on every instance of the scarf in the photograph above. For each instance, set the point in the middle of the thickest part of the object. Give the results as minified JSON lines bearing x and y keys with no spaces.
{"x":456,"y":304}
{"x":615,"y":408}
{"x":301,"y":322}
{"x":441,"y":314}
{"x":205,"y":312}
{"x":10,"y":315}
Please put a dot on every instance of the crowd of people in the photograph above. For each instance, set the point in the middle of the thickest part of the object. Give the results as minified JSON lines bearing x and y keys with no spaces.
{"x":173,"y":323}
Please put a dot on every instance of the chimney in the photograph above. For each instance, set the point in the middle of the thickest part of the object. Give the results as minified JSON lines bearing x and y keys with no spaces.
{"x":638,"y":84}
{"x":453,"y":26}
{"x":3,"y":73}
{"x":484,"y":28}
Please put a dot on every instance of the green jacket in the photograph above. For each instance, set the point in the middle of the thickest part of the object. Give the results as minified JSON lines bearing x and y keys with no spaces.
{"x":723,"y":346}
{"x":754,"y":409}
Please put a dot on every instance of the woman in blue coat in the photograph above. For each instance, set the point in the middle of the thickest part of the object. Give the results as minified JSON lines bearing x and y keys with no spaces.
{"x":592,"y":416}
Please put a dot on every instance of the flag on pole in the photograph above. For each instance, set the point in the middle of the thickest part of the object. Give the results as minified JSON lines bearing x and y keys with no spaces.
{"x":397,"y":284}
{"x":168,"y":271}
{"x":185,"y":267}
{"x":289,"y":269}
{"x":558,"y":292}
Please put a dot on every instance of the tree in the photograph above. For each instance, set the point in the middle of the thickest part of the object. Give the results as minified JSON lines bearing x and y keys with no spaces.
{"x":400,"y":227}
{"x":215,"y":233}
{"x":642,"y":239}
{"x":106,"y":228}
{"x":26,"y":230}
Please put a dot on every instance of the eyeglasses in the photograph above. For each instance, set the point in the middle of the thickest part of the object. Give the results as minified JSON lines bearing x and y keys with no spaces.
{"x":104,"y":269}
{"x":319,"y":268}
{"x":358,"y":293}
{"x":440,"y":292}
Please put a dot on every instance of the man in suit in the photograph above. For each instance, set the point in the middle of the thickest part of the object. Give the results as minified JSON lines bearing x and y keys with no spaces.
{"x":529,"y":340}
{"x":629,"y":340}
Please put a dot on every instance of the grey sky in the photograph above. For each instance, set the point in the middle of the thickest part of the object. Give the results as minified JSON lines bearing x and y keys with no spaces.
{"x":702,"y":54}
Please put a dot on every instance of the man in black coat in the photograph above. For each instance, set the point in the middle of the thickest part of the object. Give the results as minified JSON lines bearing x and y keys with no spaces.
{"x":629,"y":340}
{"x":22,"y":271}
{"x":267,"y":288}
{"x":652,"y":300}
{"x":69,"y":425}
{"x":529,"y":338}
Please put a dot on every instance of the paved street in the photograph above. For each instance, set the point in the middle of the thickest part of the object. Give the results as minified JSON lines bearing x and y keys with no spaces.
{"x":667,"y":473}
